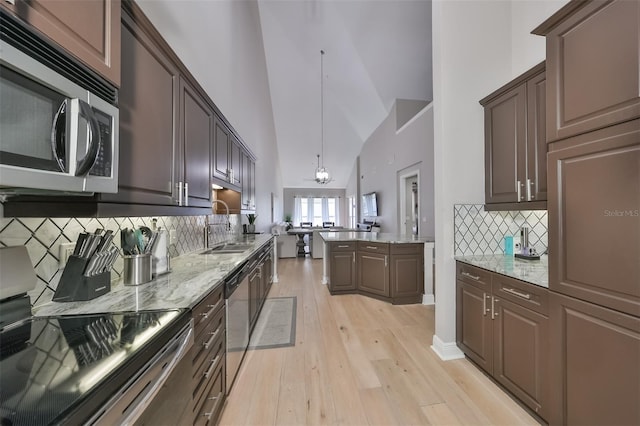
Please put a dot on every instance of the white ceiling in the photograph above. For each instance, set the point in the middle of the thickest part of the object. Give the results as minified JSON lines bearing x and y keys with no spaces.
{"x":376,"y":51}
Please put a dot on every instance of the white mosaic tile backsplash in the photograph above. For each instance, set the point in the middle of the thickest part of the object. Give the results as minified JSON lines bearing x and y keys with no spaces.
{"x":43,"y":236}
{"x":477,"y":231}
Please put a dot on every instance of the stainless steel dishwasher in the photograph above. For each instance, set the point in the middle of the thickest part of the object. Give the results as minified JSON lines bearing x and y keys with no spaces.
{"x":237,"y":301}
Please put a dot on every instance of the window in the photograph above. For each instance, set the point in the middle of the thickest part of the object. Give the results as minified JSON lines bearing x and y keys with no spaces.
{"x":316,"y":210}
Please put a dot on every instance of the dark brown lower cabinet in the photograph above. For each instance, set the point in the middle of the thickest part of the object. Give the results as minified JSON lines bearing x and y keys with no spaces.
{"x":373,"y":273}
{"x":342,"y":267}
{"x":389,"y":272}
{"x":595,"y":369}
{"x":502,"y":325}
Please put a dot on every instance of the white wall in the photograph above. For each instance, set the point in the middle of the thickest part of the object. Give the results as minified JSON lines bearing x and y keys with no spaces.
{"x":479,"y":45}
{"x":387,"y":152}
{"x":221,"y":43}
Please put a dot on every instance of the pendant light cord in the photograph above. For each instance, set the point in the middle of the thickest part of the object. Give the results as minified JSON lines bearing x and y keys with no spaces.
{"x":322,"y":105}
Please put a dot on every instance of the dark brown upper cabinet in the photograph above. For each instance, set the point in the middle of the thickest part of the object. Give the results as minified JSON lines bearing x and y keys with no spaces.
{"x":593,"y":71}
{"x":196,"y":141}
{"x":227,"y":170}
{"x":515,"y":144}
{"x":148,"y":117}
{"x":594,"y":217}
{"x":89,"y":30}
{"x":248,"y":182}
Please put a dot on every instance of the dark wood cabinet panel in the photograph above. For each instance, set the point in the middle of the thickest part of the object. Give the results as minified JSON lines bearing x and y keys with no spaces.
{"x":505,"y":141}
{"x":342,"y":269}
{"x":148,"y":120}
{"x":520,"y":353}
{"x":594,"y":217}
{"x":593,"y":72}
{"x":196,"y":134}
{"x":90,"y":30}
{"x":474,"y":328}
{"x":221,"y":152}
{"x":407,"y":276}
{"x":235,"y":161}
{"x":536,"y":176}
{"x":248,"y":182}
{"x":373,"y":273}
{"x":594,"y":368}
{"x":515,"y":143}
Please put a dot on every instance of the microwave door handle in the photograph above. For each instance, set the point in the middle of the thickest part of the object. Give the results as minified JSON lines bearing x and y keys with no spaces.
{"x":95,"y":138}
{"x":59,"y":135}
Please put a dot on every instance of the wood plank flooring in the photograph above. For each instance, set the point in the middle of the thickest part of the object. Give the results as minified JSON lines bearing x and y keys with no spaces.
{"x":360,"y":361}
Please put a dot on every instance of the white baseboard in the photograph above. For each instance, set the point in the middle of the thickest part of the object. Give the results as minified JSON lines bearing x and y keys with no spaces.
{"x":428,"y":299}
{"x":275,"y":279}
{"x":325,"y":280}
{"x":446,"y":351}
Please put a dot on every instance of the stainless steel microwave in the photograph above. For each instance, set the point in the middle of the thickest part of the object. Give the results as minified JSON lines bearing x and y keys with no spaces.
{"x":56,"y":134}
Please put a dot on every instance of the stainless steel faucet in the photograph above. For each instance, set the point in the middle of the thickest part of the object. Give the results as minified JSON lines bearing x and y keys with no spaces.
{"x":207,"y":227}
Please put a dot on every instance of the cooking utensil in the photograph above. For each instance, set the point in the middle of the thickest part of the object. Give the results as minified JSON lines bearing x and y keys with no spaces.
{"x":128,"y":241}
{"x":139,"y":241}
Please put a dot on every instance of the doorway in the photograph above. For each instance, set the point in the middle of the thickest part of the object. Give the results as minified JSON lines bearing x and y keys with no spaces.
{"x":409,"y":200}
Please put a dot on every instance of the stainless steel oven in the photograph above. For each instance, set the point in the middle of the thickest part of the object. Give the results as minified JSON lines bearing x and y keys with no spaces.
{"x":58,"y":119}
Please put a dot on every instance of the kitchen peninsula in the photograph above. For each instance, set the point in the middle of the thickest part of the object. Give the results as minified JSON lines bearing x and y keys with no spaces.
{"x":391,"y":267}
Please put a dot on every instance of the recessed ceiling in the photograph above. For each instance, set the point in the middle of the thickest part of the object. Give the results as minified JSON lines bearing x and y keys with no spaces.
{"x":376,"y":51}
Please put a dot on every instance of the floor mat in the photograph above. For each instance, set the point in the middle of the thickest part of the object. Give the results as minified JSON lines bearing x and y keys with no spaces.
{"x":276,"y":326}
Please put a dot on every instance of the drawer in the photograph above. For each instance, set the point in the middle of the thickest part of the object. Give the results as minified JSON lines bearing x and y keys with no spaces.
{"x":207,"y":408}
{"x":208,"y":308}
{"x":343,"y":246}
{"x":478,"y":277}
{"x":521,"y":293}
{"x":206,"y":342}
{"x":406,"y":248}
{"x":373,"y":247}
{"x":207,"y":369}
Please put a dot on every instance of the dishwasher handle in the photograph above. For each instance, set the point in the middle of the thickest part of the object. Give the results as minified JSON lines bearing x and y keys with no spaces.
{"x":134,"y":406}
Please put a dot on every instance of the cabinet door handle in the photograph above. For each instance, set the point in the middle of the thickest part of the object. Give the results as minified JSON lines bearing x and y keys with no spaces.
{"x":385,"y":260}
{"x":484,"y":304}
{"x":186,"y":194}
{"x":354,"y":257}
{"x":518,"y":190}
{"x":494,"y":314}
{"x":528,"y":188}
{"x":473,"y":277}
{"x":372,"y":248}
{"x":180,"y":193}
{"x":517,"y":293}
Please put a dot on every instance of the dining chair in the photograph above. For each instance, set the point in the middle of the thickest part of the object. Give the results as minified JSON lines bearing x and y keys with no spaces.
{"x":328,"y":224}
{"x":306,"y":224}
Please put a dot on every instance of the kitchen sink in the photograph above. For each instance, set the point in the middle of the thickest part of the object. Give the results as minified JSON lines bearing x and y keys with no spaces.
{"x":228,"y":248}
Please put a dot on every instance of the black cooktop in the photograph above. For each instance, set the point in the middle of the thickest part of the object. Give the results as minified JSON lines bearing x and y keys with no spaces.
{"x":63,"y":369}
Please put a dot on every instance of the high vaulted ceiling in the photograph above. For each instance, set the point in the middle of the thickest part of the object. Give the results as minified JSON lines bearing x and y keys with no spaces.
{"x":376,"y":51}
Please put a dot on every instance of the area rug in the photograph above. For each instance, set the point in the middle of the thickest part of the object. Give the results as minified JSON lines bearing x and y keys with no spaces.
{"x":276,"y":326}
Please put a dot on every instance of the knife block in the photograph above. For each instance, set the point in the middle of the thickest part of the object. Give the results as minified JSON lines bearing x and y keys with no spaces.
{"x":74,"y":286}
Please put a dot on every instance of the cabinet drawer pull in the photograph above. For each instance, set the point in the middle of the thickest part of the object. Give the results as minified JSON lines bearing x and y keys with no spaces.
{"x":494,"y":313}
{"x":518,"y":293}
{"x":211,"y":339}
{"x":216,"y":398}
{"x":343,"y":246}
{"x":473,"y":277}
{"x":205,"y":315}
{"x":372,"y":248}
{"x":213,"y":366}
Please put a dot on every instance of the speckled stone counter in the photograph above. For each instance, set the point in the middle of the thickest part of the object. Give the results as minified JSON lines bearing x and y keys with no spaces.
{"x":193,"y":276}
{"x":379,"y":237}
{"x":531,"y":271}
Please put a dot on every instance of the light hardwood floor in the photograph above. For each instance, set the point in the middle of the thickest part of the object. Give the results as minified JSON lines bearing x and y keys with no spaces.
{"x":360,"y":361}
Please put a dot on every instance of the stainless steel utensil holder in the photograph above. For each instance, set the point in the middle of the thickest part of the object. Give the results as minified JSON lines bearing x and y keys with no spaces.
{"x":74,"y":286}
{"x":137,"y":269}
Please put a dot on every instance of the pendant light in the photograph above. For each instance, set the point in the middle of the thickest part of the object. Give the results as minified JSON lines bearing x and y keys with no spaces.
{"x":322,"y":174}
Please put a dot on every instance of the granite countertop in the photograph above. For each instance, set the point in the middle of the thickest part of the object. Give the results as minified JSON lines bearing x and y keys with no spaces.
{"x":378,"y":237}
{"x":531,"y":271}
{"x":192,"y":277}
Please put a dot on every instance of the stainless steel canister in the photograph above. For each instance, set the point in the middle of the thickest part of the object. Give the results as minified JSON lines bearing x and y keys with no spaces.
{"x":137,"y":269}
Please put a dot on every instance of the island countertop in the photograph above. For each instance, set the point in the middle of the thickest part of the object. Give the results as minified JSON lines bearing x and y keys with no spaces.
{"x":379,"y":237}
{"x":530,"y":271}
{"x":192,"y":277}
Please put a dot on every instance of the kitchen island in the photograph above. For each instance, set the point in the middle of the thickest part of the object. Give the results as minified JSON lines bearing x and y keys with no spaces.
{"x":379,"y":265}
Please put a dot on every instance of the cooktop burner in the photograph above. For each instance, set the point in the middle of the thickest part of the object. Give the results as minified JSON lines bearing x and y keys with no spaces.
{"x":63,"y":369}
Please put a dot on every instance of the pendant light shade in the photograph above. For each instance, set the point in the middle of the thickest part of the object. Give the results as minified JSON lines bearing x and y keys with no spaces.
{"x":322,"y":174}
